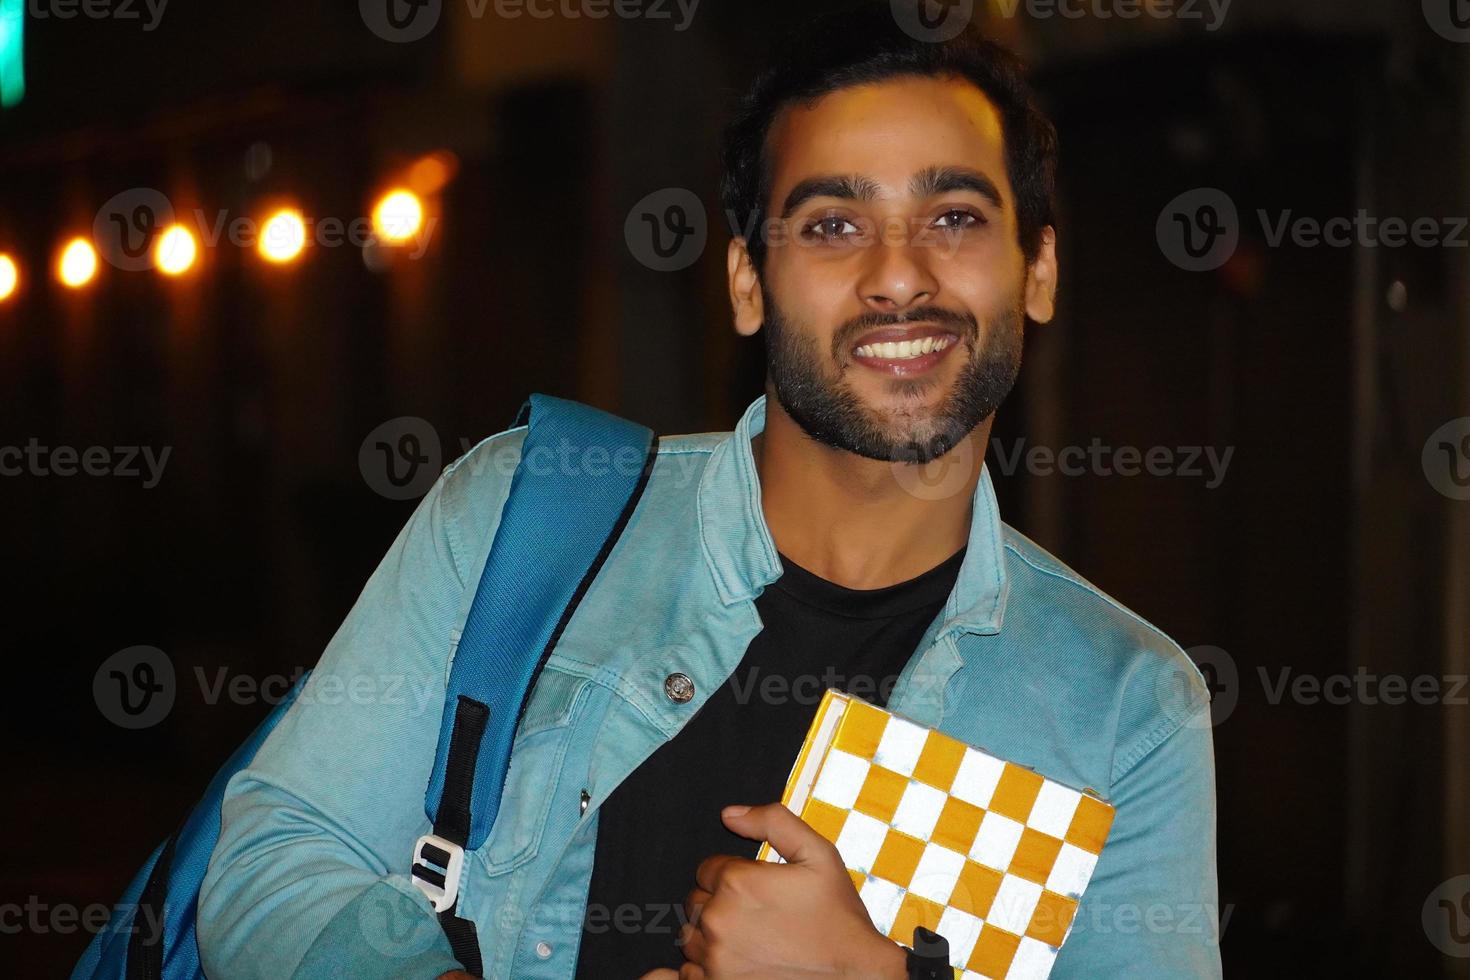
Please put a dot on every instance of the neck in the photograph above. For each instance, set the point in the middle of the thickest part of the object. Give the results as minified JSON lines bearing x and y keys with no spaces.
{"x":863,"y":523}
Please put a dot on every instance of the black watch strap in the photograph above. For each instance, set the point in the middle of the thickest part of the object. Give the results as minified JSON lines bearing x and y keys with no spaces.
{"x":929,"y":957}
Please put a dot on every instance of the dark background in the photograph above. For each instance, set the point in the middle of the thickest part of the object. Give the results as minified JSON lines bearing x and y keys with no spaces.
{"x":1325,"y":550}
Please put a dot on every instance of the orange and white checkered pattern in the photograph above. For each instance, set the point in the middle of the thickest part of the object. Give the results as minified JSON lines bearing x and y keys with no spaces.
{"x":934,"y":832}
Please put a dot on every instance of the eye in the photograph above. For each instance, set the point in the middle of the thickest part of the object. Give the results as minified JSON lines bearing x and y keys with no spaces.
{"x":830,"y":228}
{"x":960,"y":218}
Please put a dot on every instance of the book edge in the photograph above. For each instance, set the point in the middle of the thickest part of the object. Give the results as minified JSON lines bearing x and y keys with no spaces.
{"x":803,"y":775}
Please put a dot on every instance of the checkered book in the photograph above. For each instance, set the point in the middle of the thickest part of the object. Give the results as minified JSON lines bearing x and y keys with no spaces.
{"x":991,"y":855}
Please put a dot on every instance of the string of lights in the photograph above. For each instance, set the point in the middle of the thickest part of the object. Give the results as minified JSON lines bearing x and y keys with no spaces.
{"x":280,"y":238}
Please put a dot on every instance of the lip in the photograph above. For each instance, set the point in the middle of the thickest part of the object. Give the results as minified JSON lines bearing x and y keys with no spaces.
{"x":904,"y":367}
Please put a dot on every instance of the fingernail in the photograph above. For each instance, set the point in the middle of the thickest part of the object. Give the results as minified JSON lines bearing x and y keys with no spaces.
{"x":736,"y":811}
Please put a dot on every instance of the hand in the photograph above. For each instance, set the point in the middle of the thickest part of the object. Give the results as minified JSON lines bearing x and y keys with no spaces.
{"x":791,"y":921}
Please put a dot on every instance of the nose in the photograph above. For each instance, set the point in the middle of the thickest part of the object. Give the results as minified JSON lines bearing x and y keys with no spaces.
{"x":896,"y":274}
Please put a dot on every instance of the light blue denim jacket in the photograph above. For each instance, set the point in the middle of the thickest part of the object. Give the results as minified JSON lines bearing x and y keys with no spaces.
{"x":1026,"y":660}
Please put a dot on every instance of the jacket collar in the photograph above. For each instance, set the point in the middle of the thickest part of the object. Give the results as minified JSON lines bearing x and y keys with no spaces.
{"x":742,"y":555}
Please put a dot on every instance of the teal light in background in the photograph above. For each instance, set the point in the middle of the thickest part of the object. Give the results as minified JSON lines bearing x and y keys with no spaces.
{"x":12,"y":52}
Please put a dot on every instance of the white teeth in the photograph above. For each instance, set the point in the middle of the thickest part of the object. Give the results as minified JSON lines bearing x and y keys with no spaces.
{"x":903,"y":350}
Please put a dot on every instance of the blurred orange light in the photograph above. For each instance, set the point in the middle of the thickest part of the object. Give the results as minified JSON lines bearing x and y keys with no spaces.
{"x":176,"y":250}
{"x":78,"y":264}
{"x":398,"y":216}
{"x":283,"y":236}
{"x":9,"y":277}
{"x":429,"y":174}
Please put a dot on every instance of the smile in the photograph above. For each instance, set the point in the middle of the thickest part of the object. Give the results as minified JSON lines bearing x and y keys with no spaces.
{"x":904,"y":350}
{"x":902,"y":353}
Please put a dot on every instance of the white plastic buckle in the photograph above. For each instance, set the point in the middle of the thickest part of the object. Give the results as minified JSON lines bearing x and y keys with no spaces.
{"x":445,"y":897}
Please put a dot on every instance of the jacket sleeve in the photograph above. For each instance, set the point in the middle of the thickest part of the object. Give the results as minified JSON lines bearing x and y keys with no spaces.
{"x":1152,"y":907}
{"x":310,"y":874}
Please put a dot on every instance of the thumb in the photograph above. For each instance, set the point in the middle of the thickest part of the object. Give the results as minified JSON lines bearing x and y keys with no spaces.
{"x":791,"y":836}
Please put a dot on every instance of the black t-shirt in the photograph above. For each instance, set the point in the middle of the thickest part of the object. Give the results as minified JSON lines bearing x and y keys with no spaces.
{"x":664,"y":819}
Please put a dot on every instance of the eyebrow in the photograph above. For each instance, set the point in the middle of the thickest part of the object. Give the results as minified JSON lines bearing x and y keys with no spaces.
{"x":928,"y":182}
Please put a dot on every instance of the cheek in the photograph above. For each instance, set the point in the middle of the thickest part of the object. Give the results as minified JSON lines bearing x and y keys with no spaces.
{"x":980,"y":276}
{"x":814,"y":296}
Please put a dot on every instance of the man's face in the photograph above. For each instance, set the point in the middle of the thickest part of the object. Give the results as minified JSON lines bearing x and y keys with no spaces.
{"x":893,"y":287}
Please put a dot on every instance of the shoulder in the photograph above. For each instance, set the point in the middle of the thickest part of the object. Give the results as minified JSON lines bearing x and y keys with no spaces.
{"x":1134,"y":674}
{"x":472,"y":490}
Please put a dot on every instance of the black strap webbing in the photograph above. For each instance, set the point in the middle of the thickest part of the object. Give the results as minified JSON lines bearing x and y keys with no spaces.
{"x":453,"y":820}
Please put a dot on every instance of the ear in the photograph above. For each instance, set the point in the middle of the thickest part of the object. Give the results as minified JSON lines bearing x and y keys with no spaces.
{"x":745,"y":289}
{"x":1041,"y":279}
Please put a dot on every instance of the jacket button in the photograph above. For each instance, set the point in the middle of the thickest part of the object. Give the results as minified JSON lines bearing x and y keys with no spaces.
{"x":679,"y":688}
{"x":586,"y":798}
{"x":543,"y":949}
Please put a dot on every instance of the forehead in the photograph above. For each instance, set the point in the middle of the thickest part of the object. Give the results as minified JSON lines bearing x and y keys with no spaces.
{"x":889,"y":131}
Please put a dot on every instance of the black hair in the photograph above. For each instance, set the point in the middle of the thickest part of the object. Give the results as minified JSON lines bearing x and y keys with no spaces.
{"x":864,"y":44}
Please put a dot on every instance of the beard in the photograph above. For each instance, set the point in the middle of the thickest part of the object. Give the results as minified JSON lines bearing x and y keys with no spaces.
{"x":830,"y":412}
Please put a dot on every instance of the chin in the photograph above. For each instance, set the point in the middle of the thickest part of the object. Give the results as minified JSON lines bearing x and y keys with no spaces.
{"x":908,"y":427}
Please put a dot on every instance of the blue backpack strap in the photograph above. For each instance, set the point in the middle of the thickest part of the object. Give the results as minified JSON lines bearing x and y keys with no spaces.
{"x":556,"y":530}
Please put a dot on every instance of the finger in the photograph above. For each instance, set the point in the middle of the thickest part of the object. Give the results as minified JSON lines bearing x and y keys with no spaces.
{"x":662,"y":973}
{"x":692,"y":971}
{"x":693,"y":944}
{"x":694,"y":905}
{"x":791,"y":836}
{"x":710,"y":870}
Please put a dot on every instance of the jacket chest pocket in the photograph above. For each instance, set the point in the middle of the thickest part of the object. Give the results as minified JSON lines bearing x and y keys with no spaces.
{"x":536,"y":764}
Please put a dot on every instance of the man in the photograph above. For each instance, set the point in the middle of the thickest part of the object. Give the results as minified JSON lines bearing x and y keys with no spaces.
{"x":895,"y":202}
